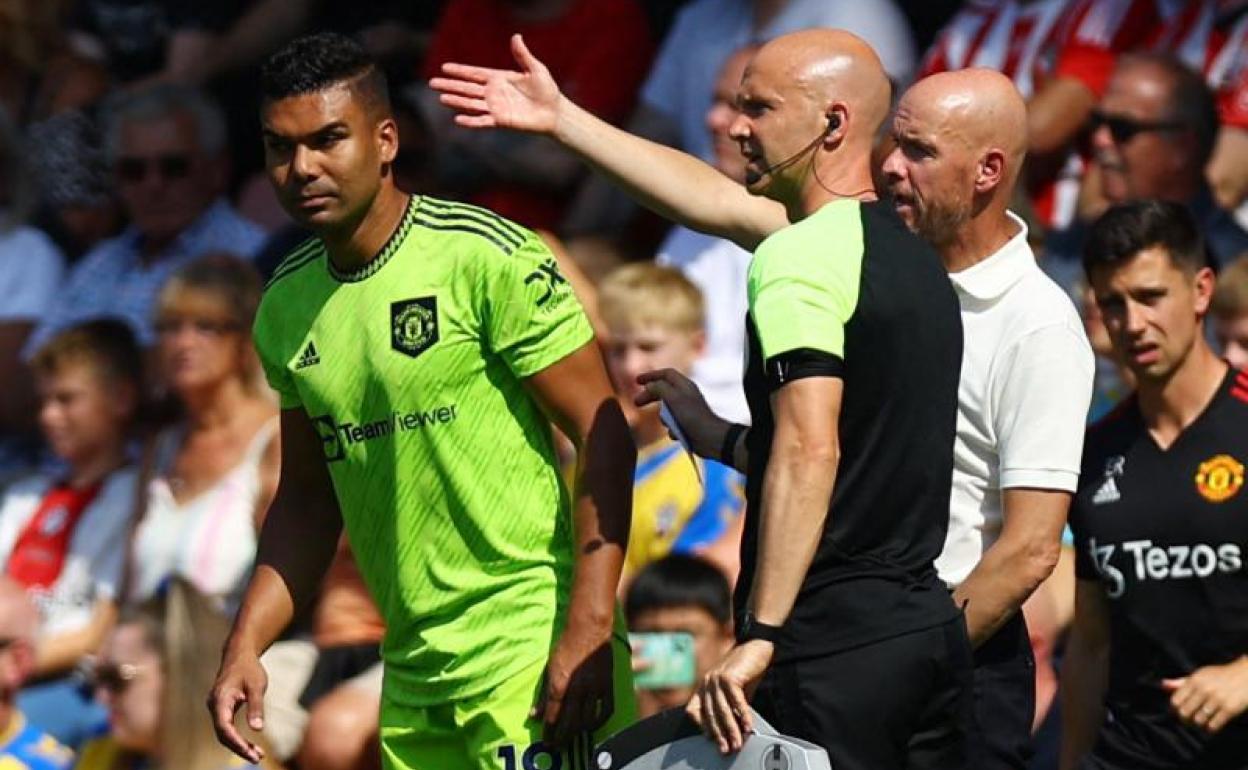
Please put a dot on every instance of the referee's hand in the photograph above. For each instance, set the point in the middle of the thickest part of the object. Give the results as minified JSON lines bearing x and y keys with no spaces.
{"x":484,"y":97}
{"x":703,"y":428}
{"x":241,"y":680}
{"x":721,"y":704}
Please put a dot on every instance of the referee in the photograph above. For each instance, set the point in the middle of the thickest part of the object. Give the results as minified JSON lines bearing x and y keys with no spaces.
{"x":1156,"y":674}
{"x":854,"y":351}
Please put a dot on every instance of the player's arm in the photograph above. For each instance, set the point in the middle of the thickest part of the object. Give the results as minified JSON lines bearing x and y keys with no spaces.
{"x":1085,"y":673}
{"x":297,"y":543}
{"x":675,"y":185}
{"x":577,"y":396}
{"x":1017,"y":563}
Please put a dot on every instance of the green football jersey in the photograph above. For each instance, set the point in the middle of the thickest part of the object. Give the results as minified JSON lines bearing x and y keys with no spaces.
{"x":444,"y":466}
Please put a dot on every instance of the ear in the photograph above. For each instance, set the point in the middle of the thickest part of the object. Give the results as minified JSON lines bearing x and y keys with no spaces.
{"x":697,"y":343}
{"x":837,"y":126}
{"x":990,"y":171}
{"x":387,"y":139}
{"x":125,"y":401}
{"x":1203,"y":285}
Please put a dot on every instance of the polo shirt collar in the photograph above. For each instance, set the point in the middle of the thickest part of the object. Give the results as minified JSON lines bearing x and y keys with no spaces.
{"x":993,"y":277}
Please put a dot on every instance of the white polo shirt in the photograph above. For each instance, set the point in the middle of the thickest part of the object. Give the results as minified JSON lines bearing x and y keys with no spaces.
{"x":1027,"y":371}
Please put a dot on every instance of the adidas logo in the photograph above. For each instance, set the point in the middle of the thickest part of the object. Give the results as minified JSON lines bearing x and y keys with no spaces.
{"x":1108,"y":493}
{"x":308,"y":357}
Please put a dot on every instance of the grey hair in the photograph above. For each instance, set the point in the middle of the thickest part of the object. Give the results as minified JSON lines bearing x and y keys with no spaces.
{"x":159,"y":101}
{"x":19,"y":194}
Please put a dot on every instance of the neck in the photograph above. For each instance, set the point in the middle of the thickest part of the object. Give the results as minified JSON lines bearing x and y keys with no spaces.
{"x":980,"y":238}
{"x":765,"y":12}
{"x":647,"y":427}
{"x":1170,"y":405}
{"x":94,"y":470}
{"x":358,"y":243}
{"x":833,"y":182}
{"x":214,"y":405}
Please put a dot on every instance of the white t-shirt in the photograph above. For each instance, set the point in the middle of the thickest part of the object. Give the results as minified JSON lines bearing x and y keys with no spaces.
{"x":718,"y":268}
{"x":1027,"y":371}
{"x":97,"y":548}
{"x":31,"y":271}
{"x":707,"y":32}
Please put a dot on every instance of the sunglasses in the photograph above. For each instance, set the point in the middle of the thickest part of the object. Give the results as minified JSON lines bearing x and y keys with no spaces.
{"x":202,"y":326}
{"x":170,"y":167}
{"x":114,"y":677}
{"x":1123,"y":129}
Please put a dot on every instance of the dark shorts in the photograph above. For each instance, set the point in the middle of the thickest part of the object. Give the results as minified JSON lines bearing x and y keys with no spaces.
{"x":1005,"y":697}
{"x":335,"y":665}
{"x":903,"y":703}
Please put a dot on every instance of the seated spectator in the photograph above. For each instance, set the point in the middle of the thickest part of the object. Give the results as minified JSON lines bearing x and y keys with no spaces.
{"x":525,"y":178}
{"x":718,"y":266}
{"x":63,"y":535}
{"x":31,"y":271}
{"x":39,"y":74}
{"x":214,"y":472}
{"x":167,"y":148}
{"x":1154,"y":131}
{"x":23,"y":746}
{"x":152,"y":674}
{"x":680,"y":594}
{"x":681,"y":503}
{"x":1230,"y":313}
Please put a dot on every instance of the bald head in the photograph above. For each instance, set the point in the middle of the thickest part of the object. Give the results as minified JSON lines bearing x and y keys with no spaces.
{"x":978,"y":108}
{"x":831,"y":65}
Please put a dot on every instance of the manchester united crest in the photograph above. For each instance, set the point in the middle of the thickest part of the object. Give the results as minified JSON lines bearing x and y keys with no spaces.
{"x":1219,"y":478}
{"x":414,"y":325}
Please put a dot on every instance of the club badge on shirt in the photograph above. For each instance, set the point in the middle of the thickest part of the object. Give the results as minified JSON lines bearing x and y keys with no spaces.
{"x":1219,"y":478}
{"x":414,"y":325}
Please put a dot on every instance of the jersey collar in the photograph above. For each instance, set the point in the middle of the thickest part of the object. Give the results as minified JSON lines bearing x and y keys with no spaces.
{"x":993,"y":277}
{"x":387,"y":251}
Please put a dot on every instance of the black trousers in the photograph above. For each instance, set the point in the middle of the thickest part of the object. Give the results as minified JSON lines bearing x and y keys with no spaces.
{"x":904,"y":703}
{"x":1005,"y":697}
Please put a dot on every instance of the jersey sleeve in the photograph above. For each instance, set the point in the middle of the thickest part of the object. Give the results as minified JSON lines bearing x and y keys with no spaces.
{"x":803,"y":284}
{"x":275,"y":367}
{"x":532,"y":317}
{"x":1041,"y":429}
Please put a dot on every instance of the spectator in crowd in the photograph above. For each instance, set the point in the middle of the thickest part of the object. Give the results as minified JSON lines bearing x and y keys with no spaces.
{"x":1230,"y":313}
{"x":23,"y":746}
{"x":527,"y":178}
{"x":1059,"y":53}
{"x":960,"y":142}
{"x":680,"y":594}
{"x":678,"y":91}
{"x":63,"y":536}
{"x":718,"y":266}
{"x":39,"y":73}
{"x":31,"y":271}
{"x":343,"y":693}
{"x":1154,"y":131}
{"x":682,"y":504}
{"x":151,"y":675}
{"x":167,"y":148}
{"x":1156,"y":672}
{"x":213,"y":473}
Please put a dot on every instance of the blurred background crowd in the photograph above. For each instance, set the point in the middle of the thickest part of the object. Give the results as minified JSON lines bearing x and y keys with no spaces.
{"x":138,"y":441}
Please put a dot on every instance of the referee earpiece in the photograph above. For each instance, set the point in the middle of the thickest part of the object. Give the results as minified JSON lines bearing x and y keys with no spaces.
{"x":834,"y":122}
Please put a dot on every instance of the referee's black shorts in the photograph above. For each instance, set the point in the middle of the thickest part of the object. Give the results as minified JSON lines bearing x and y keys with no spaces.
{"x":1005,"y":697}
{"x":903,"y":703}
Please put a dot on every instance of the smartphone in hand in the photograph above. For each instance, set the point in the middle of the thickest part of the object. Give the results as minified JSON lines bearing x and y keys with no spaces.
{"x":666,"y":660}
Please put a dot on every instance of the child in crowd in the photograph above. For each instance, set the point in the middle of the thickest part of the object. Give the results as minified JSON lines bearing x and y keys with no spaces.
{"x":654,"y":319}
{"x":1230,"y":313}
{"x":679,"y":595}
{"x":63,"y":535}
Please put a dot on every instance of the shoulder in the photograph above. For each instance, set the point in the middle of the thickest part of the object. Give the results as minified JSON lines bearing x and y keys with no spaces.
{"x":36,"y":248}
{"x":305,"y":254}
{"x":1115,"y":430}
{"x":465,"y":227}
{"x":834,"y":229}
{"x":1040,"y":313}
{"x":119,"y":489}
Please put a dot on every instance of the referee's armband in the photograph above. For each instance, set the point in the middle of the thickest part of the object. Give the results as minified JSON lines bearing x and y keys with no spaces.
{"x":802,"y":362}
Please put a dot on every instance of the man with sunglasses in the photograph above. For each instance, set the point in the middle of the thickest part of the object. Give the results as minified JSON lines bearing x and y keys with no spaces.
{"x":23,"y":746}
{"x":167,"y":146}
{"x":1152,"y":135}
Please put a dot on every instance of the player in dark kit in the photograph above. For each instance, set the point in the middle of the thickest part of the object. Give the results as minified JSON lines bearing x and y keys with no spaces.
{"x":1160,"y":519}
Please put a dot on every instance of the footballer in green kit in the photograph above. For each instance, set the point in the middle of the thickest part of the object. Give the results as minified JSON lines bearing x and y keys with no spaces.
{"x":421,"y":350}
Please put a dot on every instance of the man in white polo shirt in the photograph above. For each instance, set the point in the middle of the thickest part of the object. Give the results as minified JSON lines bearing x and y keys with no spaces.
{"x":1026,"y":380}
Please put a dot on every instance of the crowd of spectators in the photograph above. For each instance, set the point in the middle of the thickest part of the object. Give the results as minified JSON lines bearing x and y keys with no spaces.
{"x":138,"y":441}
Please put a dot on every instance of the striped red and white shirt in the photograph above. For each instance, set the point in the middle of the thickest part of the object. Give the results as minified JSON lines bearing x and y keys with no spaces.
{"x":1210,"y":36}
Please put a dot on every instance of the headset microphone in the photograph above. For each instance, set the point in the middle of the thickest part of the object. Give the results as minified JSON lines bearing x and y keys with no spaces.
{"x":753,"y":177}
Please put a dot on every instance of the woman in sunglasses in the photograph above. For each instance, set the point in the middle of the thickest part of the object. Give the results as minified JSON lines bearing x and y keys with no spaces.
{"x":213,"y":472}
{"x":151,"y":675}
